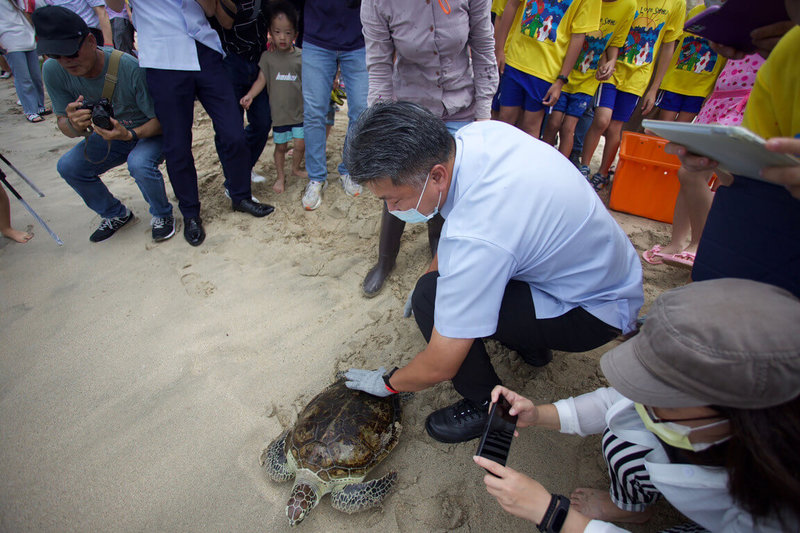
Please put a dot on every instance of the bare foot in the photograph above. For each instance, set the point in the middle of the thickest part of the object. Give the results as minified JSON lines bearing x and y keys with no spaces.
{"x":19,"y":236}
{"x":597,"y":504}
{"x":279,"y":186}
{"x":300,"y":173}
{"x":671,"y":249}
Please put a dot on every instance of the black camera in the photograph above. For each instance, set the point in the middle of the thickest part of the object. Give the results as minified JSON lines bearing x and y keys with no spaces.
{"x":102,"y":112}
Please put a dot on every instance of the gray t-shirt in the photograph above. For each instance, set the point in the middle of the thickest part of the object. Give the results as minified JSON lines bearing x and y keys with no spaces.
{"x":284,"y":84}
{"x":132,"y":103}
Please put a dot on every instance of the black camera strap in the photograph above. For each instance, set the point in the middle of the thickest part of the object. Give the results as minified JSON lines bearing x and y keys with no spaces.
{"x":109,"y":85}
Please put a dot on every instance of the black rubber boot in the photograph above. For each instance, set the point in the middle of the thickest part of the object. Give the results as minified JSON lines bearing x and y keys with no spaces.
{"x":434,"y":232}
{"x":391,"y":233}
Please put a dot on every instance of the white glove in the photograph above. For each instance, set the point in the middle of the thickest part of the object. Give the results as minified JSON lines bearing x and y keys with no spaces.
{"x":369,"y":381}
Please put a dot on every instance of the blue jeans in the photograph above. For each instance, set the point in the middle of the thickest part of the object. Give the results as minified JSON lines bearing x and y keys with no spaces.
{"x":242,"y":74}
{"x":319,"y":69}
{"x":143,"y":158}
{"x":580,"y":130}
{"x":27,"y":80}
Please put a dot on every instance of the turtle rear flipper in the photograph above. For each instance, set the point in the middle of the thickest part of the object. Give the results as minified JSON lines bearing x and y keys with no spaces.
{"x":273,"y":458}
{"x":360,"y":496}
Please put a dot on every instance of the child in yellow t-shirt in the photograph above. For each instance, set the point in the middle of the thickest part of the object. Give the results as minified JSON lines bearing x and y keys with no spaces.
{"x":658,"y":24}
{"x":546,"y":39}
{"x":692,"y":74}
{"x":595,"y":62}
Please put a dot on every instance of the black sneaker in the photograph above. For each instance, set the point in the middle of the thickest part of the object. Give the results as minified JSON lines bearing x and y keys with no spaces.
{"x":109,"y":226}
{"x":163,"y":227}
{"x":460,"y":422}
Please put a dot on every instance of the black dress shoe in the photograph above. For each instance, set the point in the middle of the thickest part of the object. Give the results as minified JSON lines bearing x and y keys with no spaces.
{"x":460,"y":422}
{"x":256,"y":209}
{"x":193,"y":231}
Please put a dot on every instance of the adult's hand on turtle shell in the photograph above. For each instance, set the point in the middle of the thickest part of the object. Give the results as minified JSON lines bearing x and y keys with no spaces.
{"x":369,"y":381}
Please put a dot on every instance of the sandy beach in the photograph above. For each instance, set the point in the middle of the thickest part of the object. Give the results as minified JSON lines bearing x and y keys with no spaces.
{"x":139,"y":382}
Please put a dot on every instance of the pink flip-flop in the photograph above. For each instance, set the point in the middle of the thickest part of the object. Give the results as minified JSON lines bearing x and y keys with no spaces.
{"x":652,"y":255}
{"x":683,"y":259}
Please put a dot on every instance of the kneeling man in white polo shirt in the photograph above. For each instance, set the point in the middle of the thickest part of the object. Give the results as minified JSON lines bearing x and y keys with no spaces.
{"x":528,"y":255}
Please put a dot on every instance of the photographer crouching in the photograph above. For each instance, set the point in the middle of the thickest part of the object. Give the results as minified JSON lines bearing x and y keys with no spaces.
{"x":101,"y":95}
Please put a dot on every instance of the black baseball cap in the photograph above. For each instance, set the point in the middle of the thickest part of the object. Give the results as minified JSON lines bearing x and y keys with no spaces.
{"x":59,"y":31}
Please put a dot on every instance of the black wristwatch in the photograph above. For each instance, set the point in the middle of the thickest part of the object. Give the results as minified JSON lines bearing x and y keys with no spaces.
{"x":556,"y":514}
{"x":134,"y":137}
{"x":386,"y":380}
{"x":563,"y":78}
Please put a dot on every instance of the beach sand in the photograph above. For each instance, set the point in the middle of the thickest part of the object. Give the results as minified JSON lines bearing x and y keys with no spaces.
{"x":139,"y":382}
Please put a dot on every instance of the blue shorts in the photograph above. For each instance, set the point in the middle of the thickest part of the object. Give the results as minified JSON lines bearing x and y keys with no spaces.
{"x":284,"y":134}
{"x":670,"y":101}
{"x":621,"y":102}
{"x":573,"y":104}
{"x":519,"y":89}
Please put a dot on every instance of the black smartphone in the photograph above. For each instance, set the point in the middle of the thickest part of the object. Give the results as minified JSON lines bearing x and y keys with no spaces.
{"x":497,"y":435}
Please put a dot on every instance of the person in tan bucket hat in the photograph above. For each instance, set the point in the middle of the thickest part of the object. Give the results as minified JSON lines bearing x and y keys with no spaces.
{"x":704,"y":409}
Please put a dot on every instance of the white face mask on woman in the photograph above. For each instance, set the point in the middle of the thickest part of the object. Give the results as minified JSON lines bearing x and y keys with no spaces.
{"x":677,"y":435}
{"x":413,"y":216}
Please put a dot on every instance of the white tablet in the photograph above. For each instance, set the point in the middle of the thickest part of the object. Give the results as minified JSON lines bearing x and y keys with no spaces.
{"x":738,"y":150}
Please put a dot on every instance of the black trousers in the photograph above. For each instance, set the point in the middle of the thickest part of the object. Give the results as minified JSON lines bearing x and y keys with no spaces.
{"x":519,"y":329}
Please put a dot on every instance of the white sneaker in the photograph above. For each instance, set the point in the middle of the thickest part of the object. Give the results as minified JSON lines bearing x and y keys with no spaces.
{"x":252,"y":197}
{"x":350,"y":187}
{"x":257,"y":178}
{"x":312,"y":198}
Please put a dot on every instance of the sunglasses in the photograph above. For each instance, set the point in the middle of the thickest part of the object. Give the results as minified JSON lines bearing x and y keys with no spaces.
{"x":72,"y":56}
{"x":659,"y":420}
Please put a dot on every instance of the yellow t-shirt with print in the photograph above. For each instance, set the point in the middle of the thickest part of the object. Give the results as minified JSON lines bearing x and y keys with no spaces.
{"x":656,"y":22}
{"x":773,"y":109}
{"x":695,"y":67}
{"x":541,"y":31}
{"x":497,"y":7}
{"x":616,"y":17}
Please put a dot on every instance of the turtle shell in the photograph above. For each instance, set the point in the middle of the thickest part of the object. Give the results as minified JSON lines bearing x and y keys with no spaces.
{"x":343,"y":433}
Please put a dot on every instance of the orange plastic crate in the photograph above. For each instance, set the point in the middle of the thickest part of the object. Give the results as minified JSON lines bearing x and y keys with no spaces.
{"x":646,"y":181}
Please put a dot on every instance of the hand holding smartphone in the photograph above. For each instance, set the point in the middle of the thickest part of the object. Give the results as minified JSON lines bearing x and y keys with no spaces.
{"x":498,"y":433}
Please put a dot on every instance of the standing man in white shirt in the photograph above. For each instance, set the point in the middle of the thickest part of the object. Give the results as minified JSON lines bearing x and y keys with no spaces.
{"x":182,"y":56}
{"x":528,"y":255}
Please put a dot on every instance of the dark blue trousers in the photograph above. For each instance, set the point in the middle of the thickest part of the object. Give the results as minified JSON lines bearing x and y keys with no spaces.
{"x":752,"y":232}
{"x":243,"y":74}
{"x":174,"y":92}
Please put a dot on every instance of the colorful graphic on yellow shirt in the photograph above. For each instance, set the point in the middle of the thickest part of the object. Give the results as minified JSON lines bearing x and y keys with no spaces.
{"x":541,"y":33}
{"x":639,"y":45}
{"x":615,"y":22}
{"x":694,"y":66}
{"x":541,"y":18}
{"x":656,"y":21}
{"x":696,"y":56}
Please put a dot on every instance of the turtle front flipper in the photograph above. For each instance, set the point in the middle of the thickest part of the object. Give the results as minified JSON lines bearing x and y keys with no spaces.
{"x":273,"y":458}
{"x":360,"y":496}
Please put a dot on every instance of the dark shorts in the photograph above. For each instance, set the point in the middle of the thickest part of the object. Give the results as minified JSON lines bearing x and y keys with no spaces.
{"x":574,"y":105}
{"x":621,"y":102}
{"x":669,"y":101}
{"x":519,"y":89}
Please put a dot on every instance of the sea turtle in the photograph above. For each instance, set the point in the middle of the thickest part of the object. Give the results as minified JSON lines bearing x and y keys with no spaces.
{"x":338,"y":438}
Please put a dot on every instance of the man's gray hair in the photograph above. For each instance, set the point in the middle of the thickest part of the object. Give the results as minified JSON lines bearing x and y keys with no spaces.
{"x":398,"y":140}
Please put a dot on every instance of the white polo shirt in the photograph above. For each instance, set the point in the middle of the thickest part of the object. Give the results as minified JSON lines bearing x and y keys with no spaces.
{"x":517,"y":209}
{"x":167,"y":32}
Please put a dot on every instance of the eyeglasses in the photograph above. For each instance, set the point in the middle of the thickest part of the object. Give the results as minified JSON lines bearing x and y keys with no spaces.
{"x":659,"y":420}
{"x":73,"y":56}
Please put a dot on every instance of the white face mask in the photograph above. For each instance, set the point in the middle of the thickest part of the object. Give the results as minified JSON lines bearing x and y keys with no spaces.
{"x":412,"y":216}
{"x":677,"y":435}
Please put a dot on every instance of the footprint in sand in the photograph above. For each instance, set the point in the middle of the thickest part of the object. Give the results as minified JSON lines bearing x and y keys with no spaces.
{"x":196,"y":286}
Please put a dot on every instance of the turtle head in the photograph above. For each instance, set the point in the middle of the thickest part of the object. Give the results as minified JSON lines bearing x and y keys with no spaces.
{"x":303,"y":499}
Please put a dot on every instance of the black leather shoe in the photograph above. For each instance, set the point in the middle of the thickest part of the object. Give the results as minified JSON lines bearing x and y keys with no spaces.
{"x":256,"y":209}
{"x":193,"y":231}
{"x":460,"y":422}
